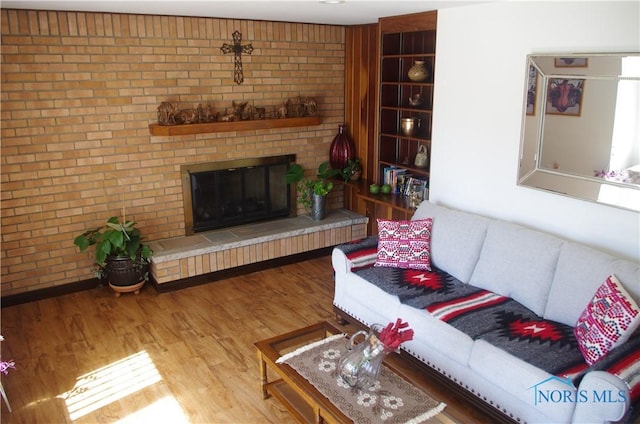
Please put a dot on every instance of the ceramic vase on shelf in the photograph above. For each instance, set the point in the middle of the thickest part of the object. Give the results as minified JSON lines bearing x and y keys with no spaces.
{"x":418,"y":72}
{"x":341,"y":150}
{"x":422,"y":159}
{"x":409,"y":126}
{"x":416,"y":100}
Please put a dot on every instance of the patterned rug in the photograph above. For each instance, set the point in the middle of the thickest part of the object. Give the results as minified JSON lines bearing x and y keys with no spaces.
{"x":391,"y":400}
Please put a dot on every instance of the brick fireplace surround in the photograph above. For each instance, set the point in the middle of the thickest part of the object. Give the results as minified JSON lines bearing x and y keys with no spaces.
{"x":78,"y":92}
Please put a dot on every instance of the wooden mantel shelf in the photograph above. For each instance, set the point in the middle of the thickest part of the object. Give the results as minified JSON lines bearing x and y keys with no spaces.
{"x":211,"y":127}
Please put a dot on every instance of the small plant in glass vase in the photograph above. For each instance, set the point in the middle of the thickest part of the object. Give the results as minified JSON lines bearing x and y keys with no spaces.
{"x":313,"y":192}
{"x":121,"y":257}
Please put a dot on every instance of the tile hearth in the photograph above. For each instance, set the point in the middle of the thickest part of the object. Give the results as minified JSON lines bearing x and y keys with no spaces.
{"x":183,"y":257}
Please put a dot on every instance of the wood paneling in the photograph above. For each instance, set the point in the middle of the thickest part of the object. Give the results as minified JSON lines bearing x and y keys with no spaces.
{"x":361,"y":55}
{"x":407,"y":23}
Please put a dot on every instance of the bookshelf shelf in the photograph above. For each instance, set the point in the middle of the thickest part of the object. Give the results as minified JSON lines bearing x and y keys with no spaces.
{"x":400,"y":97}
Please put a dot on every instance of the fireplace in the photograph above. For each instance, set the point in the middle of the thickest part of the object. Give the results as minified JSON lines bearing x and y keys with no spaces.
{"x":224,"y":194}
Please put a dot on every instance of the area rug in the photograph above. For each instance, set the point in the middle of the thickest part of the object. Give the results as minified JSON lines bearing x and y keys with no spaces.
{"x":390,"y":400}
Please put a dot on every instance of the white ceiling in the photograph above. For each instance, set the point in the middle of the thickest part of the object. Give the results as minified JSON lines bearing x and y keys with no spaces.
{"x":351,"y":12}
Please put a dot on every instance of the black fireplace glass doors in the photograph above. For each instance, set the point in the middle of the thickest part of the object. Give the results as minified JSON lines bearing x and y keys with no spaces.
{"x":234,"y":196}
{"x":279,"y":189}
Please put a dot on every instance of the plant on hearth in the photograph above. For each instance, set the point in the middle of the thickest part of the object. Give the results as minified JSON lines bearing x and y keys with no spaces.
{"x":307,"y":187}
{"x":120,"y":254}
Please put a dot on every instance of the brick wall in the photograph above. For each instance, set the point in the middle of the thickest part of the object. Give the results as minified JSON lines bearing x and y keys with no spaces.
{"x":78,"y":93}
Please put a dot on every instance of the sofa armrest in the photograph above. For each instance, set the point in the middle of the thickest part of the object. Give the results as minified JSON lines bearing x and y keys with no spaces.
{"x":613,"y":383}
{"x":608,"y":398}
{"x":355,"y":255}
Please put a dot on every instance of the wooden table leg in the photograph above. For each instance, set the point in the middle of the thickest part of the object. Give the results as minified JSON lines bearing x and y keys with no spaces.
{"x":263,"y":375}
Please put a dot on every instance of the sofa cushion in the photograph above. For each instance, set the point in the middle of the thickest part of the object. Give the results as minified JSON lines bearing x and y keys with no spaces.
{"x":518,"y":263}
{"x":411,"y":286}
{"x":456,"y":238}
{"x":579,"y":273}
{"x":548,"y":345}
{"x":367,"y":303}
{"x":509,"y":325}
{"x":521,"y":379}
{"x":607,"y":322}
{"x":436,"y":335}
{"x":404,"y":244}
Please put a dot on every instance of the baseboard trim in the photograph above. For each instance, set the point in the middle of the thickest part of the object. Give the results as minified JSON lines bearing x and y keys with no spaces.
{"x":49,"y":292}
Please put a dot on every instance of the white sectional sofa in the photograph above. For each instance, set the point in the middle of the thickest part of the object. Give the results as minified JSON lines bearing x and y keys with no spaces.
{"x":549,"y":278}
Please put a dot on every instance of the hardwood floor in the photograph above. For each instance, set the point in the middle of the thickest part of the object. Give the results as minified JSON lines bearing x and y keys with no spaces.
{"x":182,"y":357}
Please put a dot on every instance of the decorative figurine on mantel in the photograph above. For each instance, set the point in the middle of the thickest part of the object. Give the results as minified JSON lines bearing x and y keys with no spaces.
{"x":167,"y":113}
{"x":206,"y":113}
{"x":170,"y":113}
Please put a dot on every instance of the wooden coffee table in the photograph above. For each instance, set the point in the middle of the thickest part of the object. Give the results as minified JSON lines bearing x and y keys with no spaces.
{"x":299,"y":396}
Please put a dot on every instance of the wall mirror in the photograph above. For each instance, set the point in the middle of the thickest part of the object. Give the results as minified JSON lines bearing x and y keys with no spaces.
{"x":581,"y":127}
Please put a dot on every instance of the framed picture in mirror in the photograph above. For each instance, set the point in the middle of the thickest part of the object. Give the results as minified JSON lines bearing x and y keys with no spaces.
{"x":531,"y":91}
{"x":564,"y":96}
{"x":571,"y":62}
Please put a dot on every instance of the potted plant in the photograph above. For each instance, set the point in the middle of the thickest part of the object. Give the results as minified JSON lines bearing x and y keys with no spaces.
{"x":121,"y":257}
{"x":352,"y":171}
{"x":313,"y":191}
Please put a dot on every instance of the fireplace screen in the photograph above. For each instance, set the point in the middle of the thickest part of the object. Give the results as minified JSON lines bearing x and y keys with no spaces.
{"x":224,"y":194}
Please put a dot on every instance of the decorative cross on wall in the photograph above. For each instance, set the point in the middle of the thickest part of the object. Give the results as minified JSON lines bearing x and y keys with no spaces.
{"x":237,"y":49}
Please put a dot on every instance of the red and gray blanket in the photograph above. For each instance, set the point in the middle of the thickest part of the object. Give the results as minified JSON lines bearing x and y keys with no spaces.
{"x":499,"y":320}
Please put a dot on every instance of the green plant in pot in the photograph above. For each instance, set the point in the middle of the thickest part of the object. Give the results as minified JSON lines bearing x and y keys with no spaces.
{"x":353,"y":170}
{"x":121,"y":257}
{"x":313,"y":192}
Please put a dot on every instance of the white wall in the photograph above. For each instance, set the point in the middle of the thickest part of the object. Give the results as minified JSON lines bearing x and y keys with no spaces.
{"x":479,"y":93}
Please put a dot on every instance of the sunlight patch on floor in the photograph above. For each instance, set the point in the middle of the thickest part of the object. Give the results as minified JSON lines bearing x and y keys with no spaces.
{"x":110,"y":383}
{"x":166,"y":409}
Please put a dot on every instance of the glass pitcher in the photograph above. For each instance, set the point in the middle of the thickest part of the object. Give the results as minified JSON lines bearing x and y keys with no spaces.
{"x":360,"y":366}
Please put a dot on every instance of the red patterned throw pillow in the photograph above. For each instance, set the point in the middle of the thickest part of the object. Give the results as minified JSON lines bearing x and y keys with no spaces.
{"x":609,"y":320}
{"x":404,"y":244}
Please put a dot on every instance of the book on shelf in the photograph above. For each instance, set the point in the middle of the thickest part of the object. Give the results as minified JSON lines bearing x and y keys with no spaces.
{"x":416,"y":185}
{"x":386,"y":174}
{"x":391,"y":176}
{"x":403,"y":181}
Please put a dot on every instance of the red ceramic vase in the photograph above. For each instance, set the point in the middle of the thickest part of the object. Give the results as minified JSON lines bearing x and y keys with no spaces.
{"x":341,"y":150}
